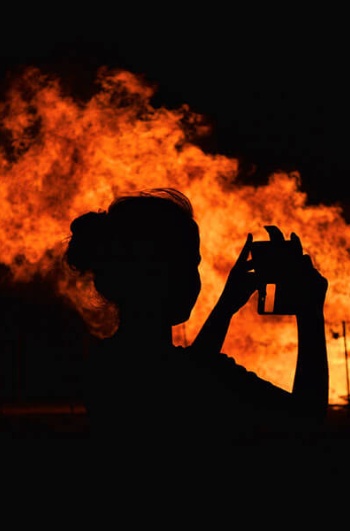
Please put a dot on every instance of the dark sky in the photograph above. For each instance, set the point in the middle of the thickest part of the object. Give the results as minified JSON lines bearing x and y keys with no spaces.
{"x":273,"y":84}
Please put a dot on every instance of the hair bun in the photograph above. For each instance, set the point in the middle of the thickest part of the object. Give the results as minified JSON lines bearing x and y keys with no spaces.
{"x":88,"y":223}
{"x":88,"y":231}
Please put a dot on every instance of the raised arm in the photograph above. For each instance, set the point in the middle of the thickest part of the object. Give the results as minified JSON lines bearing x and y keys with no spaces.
{"x":311,"y":380}
{"x":240,"y":285}
{"x":309,"y":395}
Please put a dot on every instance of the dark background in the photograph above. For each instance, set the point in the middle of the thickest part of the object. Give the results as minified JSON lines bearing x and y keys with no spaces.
{"x":273,"y":82}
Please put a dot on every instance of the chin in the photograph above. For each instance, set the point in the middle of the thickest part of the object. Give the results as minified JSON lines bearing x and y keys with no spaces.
{"x":182,"y":315}
{"x":180,"y":319}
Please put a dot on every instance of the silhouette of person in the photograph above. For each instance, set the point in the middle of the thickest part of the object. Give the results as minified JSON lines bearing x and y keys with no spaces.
{"x":143,"y":393}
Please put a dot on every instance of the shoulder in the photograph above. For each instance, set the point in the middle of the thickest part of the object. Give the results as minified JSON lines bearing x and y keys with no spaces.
{"x":99,"y":363}
{"x":100,"y":350}
{"x":213,"y":360}
{"x":233,"y":375}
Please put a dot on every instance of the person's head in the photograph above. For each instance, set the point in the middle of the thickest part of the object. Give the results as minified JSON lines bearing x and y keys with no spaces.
{"x":143,"y":252}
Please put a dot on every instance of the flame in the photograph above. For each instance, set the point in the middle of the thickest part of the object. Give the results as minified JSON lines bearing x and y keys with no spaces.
{"x":60,"y":157}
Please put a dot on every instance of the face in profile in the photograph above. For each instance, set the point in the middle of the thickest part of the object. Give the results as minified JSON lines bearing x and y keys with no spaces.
{"x":185,"y":281}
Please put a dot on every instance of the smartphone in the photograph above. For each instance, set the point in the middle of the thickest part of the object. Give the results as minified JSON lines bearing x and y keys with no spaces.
{"x":275,"y":263}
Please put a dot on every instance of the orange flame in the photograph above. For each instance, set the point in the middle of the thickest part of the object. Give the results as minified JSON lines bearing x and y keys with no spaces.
{"x":61,"y":157}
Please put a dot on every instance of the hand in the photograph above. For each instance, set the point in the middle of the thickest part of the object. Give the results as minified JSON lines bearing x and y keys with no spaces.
{"x":241,"y":282}
{"x":309,"y":286}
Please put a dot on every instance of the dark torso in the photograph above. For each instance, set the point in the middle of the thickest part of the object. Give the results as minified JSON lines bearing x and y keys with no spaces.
{"x":178,"y":399}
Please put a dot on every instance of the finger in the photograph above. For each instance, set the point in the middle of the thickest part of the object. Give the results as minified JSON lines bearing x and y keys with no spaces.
{"x":307,"y":260}
{"x":275,"y":233}
{"x":296,"y":241}
{"x":243,"y":255}
{"x":249,"y":265}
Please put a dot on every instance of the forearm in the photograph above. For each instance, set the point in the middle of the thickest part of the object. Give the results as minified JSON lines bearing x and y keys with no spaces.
{"x":311,"y":382}
{"x":213,"y":332}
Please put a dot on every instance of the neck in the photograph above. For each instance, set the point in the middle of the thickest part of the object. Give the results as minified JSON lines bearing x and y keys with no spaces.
{"x":145,"y":330}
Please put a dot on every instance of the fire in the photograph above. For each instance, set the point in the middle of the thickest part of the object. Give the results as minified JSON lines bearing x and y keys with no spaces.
{"x":61,"y":157}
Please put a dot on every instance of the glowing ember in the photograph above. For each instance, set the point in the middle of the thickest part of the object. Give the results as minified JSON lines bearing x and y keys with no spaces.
{"x":61,"y":158}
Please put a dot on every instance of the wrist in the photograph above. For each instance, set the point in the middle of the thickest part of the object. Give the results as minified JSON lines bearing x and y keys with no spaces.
{"x":226,"y":306}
